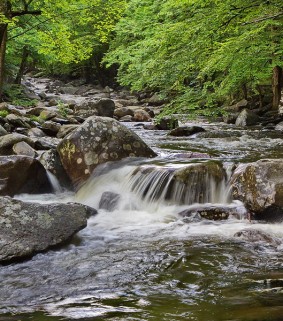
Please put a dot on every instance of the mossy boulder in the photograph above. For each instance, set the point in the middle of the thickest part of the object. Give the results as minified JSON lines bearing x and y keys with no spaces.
{"x":98,"y":140}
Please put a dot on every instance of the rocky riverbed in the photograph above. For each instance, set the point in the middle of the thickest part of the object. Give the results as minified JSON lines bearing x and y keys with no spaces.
{"x":183,"y":219}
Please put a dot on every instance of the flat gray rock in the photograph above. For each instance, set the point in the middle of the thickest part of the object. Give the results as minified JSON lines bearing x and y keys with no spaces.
{"x":28,"y":228}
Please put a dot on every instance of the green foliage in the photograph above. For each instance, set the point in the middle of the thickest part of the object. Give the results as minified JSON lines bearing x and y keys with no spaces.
{"x":62,"y":108}
{"x":66,"y":32}
{"x":15,"y":94}
{"x":200,"y":53}
{"x":36,"y":119}
{"x":4,"y":113}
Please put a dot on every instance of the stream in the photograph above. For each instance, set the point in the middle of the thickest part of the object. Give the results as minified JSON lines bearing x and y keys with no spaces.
{"x":143,"y":261}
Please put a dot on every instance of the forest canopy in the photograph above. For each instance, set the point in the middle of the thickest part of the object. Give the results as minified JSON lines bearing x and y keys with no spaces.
{"x":198,"y":54}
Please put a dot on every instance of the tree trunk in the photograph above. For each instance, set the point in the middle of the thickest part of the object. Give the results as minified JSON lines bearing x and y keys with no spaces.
{"x":4,"y":8}
{"x":22,"y":66}
{"x":277,"y":84}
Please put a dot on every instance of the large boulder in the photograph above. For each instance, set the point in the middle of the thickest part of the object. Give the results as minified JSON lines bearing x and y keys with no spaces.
{"x":28,"y":228}
{"x":22,"y":174}
{"x":259,"y":186}
{"x":96,"y":141}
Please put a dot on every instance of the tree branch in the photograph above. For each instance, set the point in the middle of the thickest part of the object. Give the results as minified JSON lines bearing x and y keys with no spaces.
{"x":263,"y":19}
{"x":24,"y":12}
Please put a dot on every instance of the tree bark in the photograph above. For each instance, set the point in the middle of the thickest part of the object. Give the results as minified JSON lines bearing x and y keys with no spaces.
{"x":4,"y":8}
{"x":3,"y":40}
{"x":277,"y":84}
{"x":22,"y":66}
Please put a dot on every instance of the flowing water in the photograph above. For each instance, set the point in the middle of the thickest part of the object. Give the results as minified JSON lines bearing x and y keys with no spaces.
{"x":142,"y":260}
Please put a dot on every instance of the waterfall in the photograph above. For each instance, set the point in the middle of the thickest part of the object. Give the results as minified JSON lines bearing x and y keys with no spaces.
{"x":57,"y":188}
{"x":145,"y":186}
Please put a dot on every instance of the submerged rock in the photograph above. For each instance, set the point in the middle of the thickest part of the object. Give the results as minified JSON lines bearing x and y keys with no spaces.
{"x":109,"y":201}
{"x":28,"y":228}
{"x":186,"y":131}
{"x":211,"y":212}
{"x":259,"y":186}
{"x":255,"y":235}
{"x":98,"y":140}
{"x":22,"y":174}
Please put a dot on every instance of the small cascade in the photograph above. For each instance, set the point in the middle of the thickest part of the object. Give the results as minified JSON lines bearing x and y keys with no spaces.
{"x":57,"y":188}
{"x":141,"y":186}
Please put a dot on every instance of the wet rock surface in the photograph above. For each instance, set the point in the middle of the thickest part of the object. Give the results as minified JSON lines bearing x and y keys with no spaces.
{"x":210,"y":212}
{"x":109,"y":201}
{"x":255,"y":235}
{"x":28,"y":228}
{"x":186,"y":131}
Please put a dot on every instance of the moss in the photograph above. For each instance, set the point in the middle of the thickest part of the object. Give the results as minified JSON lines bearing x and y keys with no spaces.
{"x":68,"y":149}
{"x":4,"y":113}
{"x":15,"y":94}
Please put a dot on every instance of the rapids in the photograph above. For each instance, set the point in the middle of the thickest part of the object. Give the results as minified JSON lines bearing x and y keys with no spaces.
{"x":143,"y":261}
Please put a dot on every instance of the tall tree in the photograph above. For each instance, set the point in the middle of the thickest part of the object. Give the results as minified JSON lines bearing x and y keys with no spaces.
{"x":59,"y":30}
{"x":9,"y":10}
{"x":199,"y":52}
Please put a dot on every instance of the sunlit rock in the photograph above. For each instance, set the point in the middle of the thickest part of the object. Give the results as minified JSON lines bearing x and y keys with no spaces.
{"x":98,"y":140}
{"x":28,"y":228}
